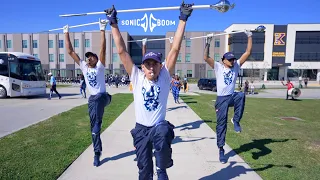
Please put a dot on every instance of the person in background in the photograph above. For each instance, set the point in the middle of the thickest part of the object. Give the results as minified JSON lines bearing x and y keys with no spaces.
{"x":83,"y":86}
{"x":53,"y":86}
{"x":289,"y":86}
{"x":252,"y":88}
{"x":246,"y":87}
{"x":176,"y":85}
{"x":185,"y":82}
{"x":306,"y":82}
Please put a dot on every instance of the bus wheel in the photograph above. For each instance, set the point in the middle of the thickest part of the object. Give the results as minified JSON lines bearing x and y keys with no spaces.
{"x":3,"y":92}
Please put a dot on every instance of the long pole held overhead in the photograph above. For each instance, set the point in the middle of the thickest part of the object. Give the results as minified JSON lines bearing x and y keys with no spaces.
{"x":80,"y":25}
{"x":260,"y":28}
{"x":221,"y":6}
{"x":137,"y":10}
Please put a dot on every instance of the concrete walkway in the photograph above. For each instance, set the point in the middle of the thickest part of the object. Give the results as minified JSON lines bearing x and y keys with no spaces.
{"x":195,"y":153}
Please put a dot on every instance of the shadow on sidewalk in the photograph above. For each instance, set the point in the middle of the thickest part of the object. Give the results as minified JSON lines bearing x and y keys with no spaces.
{"x":178,"y":139}
{"x":256,"y":144}
{"x":191,"y":125}
{"x":117,"y":157}
{"x":231,"y":171}
{"x":174,"y":108}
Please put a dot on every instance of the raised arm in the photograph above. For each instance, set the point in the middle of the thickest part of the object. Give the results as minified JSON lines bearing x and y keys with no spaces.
{"x":68,"y":45}
{"x":144,"y":46}
{"x":185,"y":12}
{"x":118,"y":40}
{"x":206,"y":55}
{"x":246,"y":55}
{"x":102,"y":25}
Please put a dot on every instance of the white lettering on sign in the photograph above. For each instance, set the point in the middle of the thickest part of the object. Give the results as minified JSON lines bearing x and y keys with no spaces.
{"x":150,"y":22}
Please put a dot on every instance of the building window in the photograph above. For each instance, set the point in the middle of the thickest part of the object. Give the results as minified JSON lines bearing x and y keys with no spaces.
{"x":50,"y":43}
{"x":189,"y":73}
{"x":63,"y":73}
{"x":217,"y":57}
{"x":209,"y":74}
{"x":217,"y":43}
{"x":179,"y":73}
{"x":54,"y":72}
{"x":78,"y":72}
{"x":87,"y":43}
{"x":24,"y":44}
{"x":115,"y":57}
{"x":113,"y":44}
{"x":188,"y":57}
{"x":61,"y":57}
{"x":51,"y":59}
{"x":9,"y":44}
{"x":60,"y":43}
{"x":35,"y":43}
{"x":0,"y":44}
{"x":188,"y":43}
{"x":35,"y":55}
{"x":179,"y":58}
{"x":76,"y":43}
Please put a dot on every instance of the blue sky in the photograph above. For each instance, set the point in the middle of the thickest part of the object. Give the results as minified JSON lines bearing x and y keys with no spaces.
{"x":33,"y":16}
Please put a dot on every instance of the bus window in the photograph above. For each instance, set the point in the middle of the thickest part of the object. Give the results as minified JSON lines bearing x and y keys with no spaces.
{"x":4,"y":66}
{"x":31,"y":70}
{"x":39,"y":71}
{"x":14,"y":70}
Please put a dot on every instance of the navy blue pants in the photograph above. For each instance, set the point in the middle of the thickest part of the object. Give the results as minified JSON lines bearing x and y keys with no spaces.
{"x":96,"y":105}
{"x":175,"y":93}
{"x":145,"y":138}
{"x":237,"y":100}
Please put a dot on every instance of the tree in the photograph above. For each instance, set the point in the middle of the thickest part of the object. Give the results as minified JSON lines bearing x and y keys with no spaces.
{"x":265,"y":68}
{"x":301,"y":69}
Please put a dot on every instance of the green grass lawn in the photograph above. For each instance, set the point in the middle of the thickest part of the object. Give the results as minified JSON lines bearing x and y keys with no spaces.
{"x":45,"y":150}
{"x":275,"y":148}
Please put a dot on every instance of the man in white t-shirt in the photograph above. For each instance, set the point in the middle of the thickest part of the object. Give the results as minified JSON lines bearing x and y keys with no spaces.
{"x":93,"y":72}
{"x":151,"y":87}
{"x":226,"y":75}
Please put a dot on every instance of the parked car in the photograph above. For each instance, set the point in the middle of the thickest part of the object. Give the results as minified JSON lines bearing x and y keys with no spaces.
{"x":207,"y":84}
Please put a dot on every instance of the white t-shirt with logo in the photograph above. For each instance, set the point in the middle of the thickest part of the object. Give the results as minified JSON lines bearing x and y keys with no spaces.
{"x":150,"y":98}
{"x":95,"y":78}
{"x":226,"y":78}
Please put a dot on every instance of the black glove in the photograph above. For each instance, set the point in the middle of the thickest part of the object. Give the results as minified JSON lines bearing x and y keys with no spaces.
{"x":208,"y":40}
{"x":112,"y":15}
{"x":185,"y":11}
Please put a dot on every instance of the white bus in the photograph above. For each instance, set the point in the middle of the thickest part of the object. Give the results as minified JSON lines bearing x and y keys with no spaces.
{"x":20,"y":75}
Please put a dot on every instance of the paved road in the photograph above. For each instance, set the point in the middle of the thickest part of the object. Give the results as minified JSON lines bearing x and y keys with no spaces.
{"x":269,"y":93}
{"x":19,"y":113}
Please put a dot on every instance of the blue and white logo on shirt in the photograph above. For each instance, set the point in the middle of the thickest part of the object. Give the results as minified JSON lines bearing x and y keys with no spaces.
{"x":92,"y":78}
{"x":228,"y":77}
{"x":151,"y":97}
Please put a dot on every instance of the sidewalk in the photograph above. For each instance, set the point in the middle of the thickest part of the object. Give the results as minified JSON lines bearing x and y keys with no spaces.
{"x":195,"y":153}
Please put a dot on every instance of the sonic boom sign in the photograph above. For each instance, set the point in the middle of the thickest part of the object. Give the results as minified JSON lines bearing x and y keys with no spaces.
{"x":146,"y":22}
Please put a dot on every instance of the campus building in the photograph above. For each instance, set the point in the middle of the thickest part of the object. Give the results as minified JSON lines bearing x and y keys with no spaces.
{"x":281,"y":52}
{"x":50,"y":48}
{"x":190,"y":61}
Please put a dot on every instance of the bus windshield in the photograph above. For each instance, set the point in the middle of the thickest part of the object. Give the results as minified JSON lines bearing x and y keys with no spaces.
{"x":31,"y":70}
{"x":26,"y":70}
